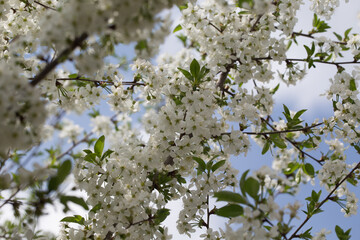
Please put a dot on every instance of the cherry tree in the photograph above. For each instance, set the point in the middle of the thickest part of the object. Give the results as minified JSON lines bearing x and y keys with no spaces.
{"x":208,"y":103}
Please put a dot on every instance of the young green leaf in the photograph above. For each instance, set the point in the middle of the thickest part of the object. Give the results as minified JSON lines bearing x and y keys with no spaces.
{"x":252,"y":187}
{"x":218,"y":165}
{"x":62,"y":172}
{"x":74,"y":219}
{"x":77,"y":200}
{"x":177,"y":28}
{"x":161,"y":215}
{"x":299,"y":113}
{"x":352,"y":86}
{"x":230,"y":210}
{"x":309,"y":169}
{"x":341,"y":234}
{"x":201,"y":164}
{"x":91,"y":158}
{"x":187,"y":74}
{"x":99,"y":146}
{"x":243,"y":182}
{"x":195,"y":69}
{"x":106,"y":154}
{"x":266,"y":147}
{"x":96,"y":208}
{"x":228,"y":196}
{"x":74,"y":75}
{"x":278,"y":141}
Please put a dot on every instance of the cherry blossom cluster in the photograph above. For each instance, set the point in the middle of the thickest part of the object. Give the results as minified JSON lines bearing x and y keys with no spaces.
{"x":199,"y":108}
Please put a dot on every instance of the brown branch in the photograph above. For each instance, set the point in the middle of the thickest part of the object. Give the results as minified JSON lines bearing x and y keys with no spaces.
{"x":294,"y":144}
{"x":305,"y":60}
{"x":10,"y":198}
{"x":99,"y":81}
{"x":63,"y":55}
{"x":80,"y":141}
{"x":218,"y":29}
{"x":284,"y":131}
{"x":74,"y":145}
{"x":326,"y":199}
{"x":310,"y":35}
{"x":45,"y":6}
{"x":256,"y":22}
{"x":141,"y":221}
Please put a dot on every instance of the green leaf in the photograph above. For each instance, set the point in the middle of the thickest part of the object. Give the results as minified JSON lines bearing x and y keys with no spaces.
{"x":161,"y":215}
{"x":252,"y":187}
{"x":141,"y":45}
{"x":315,"y":20}
{"x":243,"y":182}
{"x":62,"y":172}
{"x":299,"y":113}
{"x":99,"y":146}
{"x":96,"y":208}
{"x":266,"y":147}
{"x":88,"y":151}
{"x":306,"y":234}
{"x":77,"y":200}
{"x":338,"y":36}
{"x":177,"y":28}
{"x":274,"y":90}
{"x":309,"y":143}
{"x":106,"y":154}
{"x":230,"y":210}
{"x":315,"y":196}
{"x":75,"y":219}
{"x":74,"y":75}
{"x":91,"y":158}
{"x":187,"y":74}
{"x":217,"y":165}
{"x":352,"y":86}
{"x":308,"y":50}
{"x":278,"y":141}
{"x":346,"y":34}
{"x":201,"y":163}
{"x":292,"y":166}
{"x":182,"y":7}
{"x":203,"y":72}
{"x":309,"y":169}
{"x":287,"y":113}
{"x":228,"y":196}
{"x":341,"y":234}
{"x":195,"y":68}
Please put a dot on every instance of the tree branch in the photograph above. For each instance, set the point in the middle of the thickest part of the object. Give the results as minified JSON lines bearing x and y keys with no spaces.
{"x":284,"y":131}
{"x":294,"y":144}
{"x":305,"y":60}
{"x":63,"y":55}
{"x":312,"y":37}
{"x":45,"y":6}
{"x":100,"y":82}
{"x":326,"y":199}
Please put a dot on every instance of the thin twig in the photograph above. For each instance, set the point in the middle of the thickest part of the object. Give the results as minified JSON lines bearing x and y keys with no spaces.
{"x":326,"y":199}
{"x":63,"y":55}
{"x":293,"y":143}
{"x":305,"y":60}
{"x":312,"y":37}
{"x":45,"y":6}
{"x":218,"y":29}
{"x":10,"y":198}
{"x":284,"y":131}
{"x":100,"y":82}
{"x":81,"y":141}
{"x":74,"y":145}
